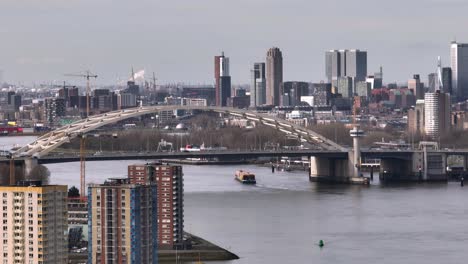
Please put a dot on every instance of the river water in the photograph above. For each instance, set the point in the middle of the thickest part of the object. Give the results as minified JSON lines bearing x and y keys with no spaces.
{"x":282,"y":218}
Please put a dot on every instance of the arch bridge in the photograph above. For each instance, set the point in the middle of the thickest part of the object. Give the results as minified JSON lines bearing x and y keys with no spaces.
{"x":48,"y":142}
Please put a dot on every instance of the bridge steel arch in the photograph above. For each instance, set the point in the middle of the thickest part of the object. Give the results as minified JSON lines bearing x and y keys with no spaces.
{"x":48,"y":142}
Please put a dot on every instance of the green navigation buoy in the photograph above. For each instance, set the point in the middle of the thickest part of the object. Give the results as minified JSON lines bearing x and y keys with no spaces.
{"x":321,"y":244}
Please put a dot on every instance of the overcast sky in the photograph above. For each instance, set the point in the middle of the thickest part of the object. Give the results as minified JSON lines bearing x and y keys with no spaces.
{"x":40,"y":40}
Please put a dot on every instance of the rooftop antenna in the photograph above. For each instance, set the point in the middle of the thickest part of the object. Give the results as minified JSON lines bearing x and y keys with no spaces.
{"x":133,"y":75}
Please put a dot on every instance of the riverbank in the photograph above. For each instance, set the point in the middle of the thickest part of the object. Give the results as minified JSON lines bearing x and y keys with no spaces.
{"x":202,"y":250}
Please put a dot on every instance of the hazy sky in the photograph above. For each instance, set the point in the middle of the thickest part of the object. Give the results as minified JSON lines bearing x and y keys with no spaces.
{"x":40,"y":40}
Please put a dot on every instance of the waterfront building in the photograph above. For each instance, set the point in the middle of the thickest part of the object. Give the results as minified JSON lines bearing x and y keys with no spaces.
{"x":34,"y":223}
{"x":459,"y":65}
{"x":416,"y":86}
{"x":222,"y":80}
{"x":258,"y":85}
{"x":169,"y":182}
{"x":274,"y":76}
{"x":122,"y":222}
{"x":437,"y":114}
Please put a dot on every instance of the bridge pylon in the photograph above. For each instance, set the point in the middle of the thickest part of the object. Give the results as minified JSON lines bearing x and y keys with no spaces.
{"x":356,"y":134}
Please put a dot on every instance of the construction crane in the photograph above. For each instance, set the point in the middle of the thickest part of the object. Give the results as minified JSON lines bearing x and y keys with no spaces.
{"x":87,"y":75}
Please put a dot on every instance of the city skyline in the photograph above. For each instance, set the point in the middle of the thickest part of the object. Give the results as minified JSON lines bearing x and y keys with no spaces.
{"x":162,"y":37}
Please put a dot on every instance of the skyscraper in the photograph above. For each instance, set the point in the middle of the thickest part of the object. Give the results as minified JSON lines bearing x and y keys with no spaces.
{"x":447,"y":80}
{"x":332,"y":65}
{"x":34,"y":223}
{"x":346,"y":63}
{"x":436,"y":114}
{"x":459,"y":65}
{"x":222,"y":80}
{"x":122,"y":222}
{"x":356,"y":65}
{"x":274,"y":75}
{"x":258,"y":86}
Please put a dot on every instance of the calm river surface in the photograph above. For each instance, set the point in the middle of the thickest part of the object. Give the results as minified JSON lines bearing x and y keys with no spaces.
{"x":282,"y":218}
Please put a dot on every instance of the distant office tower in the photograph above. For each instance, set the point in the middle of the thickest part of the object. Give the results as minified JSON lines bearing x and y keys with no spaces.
{"x":122,"y":223}
{"x":274,"y":75}
{"x":416,"y":119}
{"x":222,"y":79}
{"x":447,"y":80}
{"x":169,"y":182}
{"x":292,"y":92}
{"x":258,"y":86}
{"x":436,"y":114}
{"x":126,"y":100}
{"x":363,"y":89}
{"x":431,"y":82}
{"x":34,"y":223}
{"x":356,"y":65}
{"x":321,"y":93}
{"x":459,"y":65}
{"x":346,"y":63}
{"x":416,"y":86}
{"x":332,"y":65}
{"x":345,"y":87}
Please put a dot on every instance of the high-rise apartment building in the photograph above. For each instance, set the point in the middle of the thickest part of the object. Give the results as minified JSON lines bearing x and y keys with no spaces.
{"x":34,"y":223}
{"x":258,"y":85}
{"x":436,"y":114}
{"x":274,"y":76}
{"x":54,"y":109}
{"x":170,"y":187}
{"x":122,"y":222}
{"x":346,"y":63}
{"x":222,"y":80}
{"x":416,"y":86}
{"x":459,"y":65}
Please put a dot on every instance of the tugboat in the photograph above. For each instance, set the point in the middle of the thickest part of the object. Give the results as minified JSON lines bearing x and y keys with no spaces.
{"x":245,"y":177}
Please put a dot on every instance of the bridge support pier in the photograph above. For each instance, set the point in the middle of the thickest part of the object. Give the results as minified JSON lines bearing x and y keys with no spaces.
{"x":334,"y":170}
{"x":421,"y":166}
